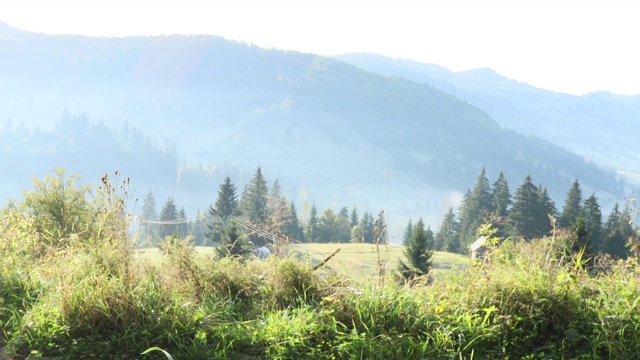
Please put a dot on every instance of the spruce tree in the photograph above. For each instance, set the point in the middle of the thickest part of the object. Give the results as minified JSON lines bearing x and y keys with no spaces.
{"x":254,"y":202}
{"x":546,"y":208}
{"x":311,"y":229}
{"x":572,"y":206}
{"x":168,"y":216}
{"x":226,"y":206}
{"x":593,"y":216}
{"x":353,"y":217}
{"x":368,"y":228}
{"x":616,"y":233}
{"x":183,"y":226}
{"x":417,"y":253}
{"x":150,"y":230}
{"x":255,"y":206}
{"x":279,"y":211}
{"x":447,"y":236}
{"x":294,"y":230}
{"x":501,"y":196}
{"x":408,"y":232}
{"x":233,"y":242}
{"x":475,"y":206}
{"x":381,"y":233}
{"x":525,"y":213}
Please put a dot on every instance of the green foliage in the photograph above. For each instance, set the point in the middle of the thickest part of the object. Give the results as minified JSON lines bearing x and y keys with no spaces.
{"x":60,"y":207}
{"x":418,"y":253}
{"x":103,"y":300}
{"x":572,"y":208}
{"x":226,"y":206}
{"x":447,"y":236}
{"x":233,"y":243}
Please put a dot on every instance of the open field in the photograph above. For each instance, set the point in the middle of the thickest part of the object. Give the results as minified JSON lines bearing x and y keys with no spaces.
{"x":357,"y":261}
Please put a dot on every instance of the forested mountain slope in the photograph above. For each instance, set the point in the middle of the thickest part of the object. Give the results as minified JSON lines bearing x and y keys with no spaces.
{"x":598,"y":126}
{"x":342,"y":135}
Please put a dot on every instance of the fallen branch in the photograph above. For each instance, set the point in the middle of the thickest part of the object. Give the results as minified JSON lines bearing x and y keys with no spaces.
{"x":325,"y":260}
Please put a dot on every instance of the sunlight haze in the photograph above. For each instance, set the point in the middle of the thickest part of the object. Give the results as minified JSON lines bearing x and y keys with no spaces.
{"x":564,"y":46}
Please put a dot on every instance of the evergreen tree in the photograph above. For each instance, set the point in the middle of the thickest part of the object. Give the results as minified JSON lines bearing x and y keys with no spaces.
{"x":233,"y":242}
{"x":525,"y":214}
{"x":616,"y":233}
{"x":572,"y":208}
{"x":183,"y":225}
{"x":593,"y":216}
{"x":475,"y":206}
{"x":353,"y":218}
{"x":294,"y":229}
{"x":417,"y":253}
{"x":447,"y":236}
{"x":150,"y":230}
{"x":408,"y":232}
{"x":254,"y":202}
{"x":311,"y":230}
{"x":582,"y":238}
{"x":168,"y":216}
{"x":225,"y":207}
{"x":199,"y":229}
{"x":381,"y":233}
{"x":344,"y":213}
{"x":279,"y":211}
{"x":501,"y":196}
{"x":368,"y":228}
{"x":546,"y":208}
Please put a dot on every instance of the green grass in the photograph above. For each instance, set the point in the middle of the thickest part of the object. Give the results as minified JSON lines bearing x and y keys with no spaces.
{"x":356,"y":261}
{"x":103,"y":300}
{"x":363,"y":261}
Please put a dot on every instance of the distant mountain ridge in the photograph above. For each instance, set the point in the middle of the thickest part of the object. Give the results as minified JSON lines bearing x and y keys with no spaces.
{"x":343,"y":135}
{"x":597,"y":125}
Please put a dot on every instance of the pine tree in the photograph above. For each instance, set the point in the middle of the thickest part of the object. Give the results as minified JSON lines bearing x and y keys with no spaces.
{"x":501,"y":196}
{"x":475,"y":206}
{"x":572,"y":208}
{"x":279,"y":211}
{"x":344,"y":213}
{"x":254,"y":202}
{"x":447,"y":236}
{"x":417,"y":253}
{"x":311,"y":230}
{"x":593,"y":216}
{"x":381,"y":233}
{"x":183,"y":226}
{"x":199,"y":229}
{"x":408,"y":232}
{"x":353,"y":218}
{"x":525,"y":213}
{"x":546,"y":208}
{"x":368,"y":228}
{"x":150,"y":230}
{"x":225,"y":207}
{"x":294,"y":229}
{"x":168,"y":215}
{"x":616,"y":233}
{"x":233,"y":242}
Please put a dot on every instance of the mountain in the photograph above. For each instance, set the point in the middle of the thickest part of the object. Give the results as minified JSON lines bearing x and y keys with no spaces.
{"x":333,"y":134}
{"x":598,"y":126}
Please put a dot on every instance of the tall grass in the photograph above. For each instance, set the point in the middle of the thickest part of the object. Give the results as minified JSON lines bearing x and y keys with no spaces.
{"x":91,"y":297}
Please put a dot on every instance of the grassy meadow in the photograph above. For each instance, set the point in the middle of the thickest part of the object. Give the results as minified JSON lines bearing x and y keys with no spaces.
{"x":357,"y":261}
{"x":69,"y":294}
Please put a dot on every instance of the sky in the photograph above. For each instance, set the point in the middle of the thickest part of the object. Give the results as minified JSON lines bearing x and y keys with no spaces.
{"x":568,"y":46}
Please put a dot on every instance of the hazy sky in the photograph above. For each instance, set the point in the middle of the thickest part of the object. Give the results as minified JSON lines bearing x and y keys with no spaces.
{"x":567,"y":46}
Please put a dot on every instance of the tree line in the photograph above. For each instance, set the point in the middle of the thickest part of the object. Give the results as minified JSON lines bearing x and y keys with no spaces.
{"x":264,"y":214}
{"x":530,"y":214}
